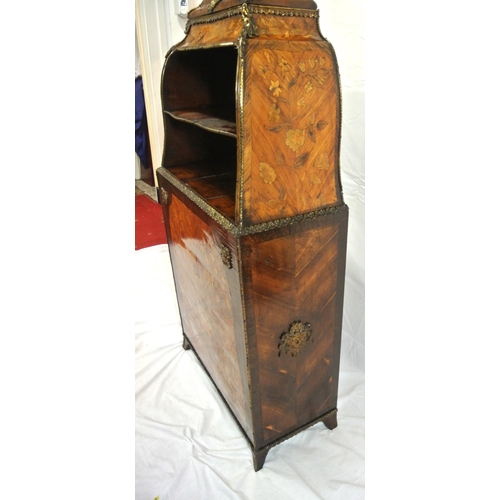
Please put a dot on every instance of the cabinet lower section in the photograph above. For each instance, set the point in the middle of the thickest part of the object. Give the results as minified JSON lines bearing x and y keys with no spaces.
{"x":262,"y":310}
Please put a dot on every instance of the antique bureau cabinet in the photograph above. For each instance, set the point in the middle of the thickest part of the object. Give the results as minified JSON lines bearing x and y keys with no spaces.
{"x":253,"y":209}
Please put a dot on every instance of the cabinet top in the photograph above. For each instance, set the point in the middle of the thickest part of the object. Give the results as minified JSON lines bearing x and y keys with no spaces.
{"x":210,"y":6}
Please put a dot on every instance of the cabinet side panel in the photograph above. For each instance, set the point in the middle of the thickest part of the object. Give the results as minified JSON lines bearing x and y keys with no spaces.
{"x":210,"y":303}
{"x":222,"y":32}
{"x":298,"y":278}
{"x":293,"y":167}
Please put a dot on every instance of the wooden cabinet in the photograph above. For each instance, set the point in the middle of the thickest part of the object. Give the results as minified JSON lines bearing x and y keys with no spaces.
{"x":254,"y":214}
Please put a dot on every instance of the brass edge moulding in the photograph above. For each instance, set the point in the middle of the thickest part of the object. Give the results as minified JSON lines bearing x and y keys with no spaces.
{"x":240,"y":85}
{"x":252,"y":9}
{"x":287,"y":221}
{"x":283,"y":11}
{"x":247,"y":354}
{"x":200,"y":202}
{"x":249,"y":27}
{"x":254,"y":229}
{"x":295,"y":432}
{"x":211,"y":6}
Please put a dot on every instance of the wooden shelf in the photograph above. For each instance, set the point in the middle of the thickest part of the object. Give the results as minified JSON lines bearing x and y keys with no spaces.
{"x":216,"y":187}
{"x":208,"y":120}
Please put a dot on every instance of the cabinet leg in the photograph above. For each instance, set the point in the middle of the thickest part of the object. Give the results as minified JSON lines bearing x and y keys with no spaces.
{"x":259,"y":457}
{"x":185,"y":343}
{"x":331,"y":420}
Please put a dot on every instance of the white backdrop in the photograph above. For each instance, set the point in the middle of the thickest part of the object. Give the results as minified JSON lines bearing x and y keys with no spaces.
{"x":342,"y":23}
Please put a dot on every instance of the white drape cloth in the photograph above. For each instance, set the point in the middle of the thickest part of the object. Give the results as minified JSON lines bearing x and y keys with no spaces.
{"x":188,"y":445}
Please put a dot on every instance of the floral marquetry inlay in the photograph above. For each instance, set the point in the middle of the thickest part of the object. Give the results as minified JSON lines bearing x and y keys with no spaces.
{"x":294,"y":119}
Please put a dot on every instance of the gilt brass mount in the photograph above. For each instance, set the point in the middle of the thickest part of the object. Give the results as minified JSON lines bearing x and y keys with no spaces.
{"x":226,"y":256}
{"x":212,"y":5}
{"x":293,"y":341}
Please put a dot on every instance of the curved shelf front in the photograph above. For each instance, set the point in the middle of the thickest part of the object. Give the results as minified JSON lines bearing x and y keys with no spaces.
{"x":206,"y":120}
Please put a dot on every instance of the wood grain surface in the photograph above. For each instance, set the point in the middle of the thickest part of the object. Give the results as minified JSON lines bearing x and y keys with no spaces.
{"x":291,"y":135}
{"x":297,"y":275}
{"x":210,"y":303}
{"x":253,"y":210}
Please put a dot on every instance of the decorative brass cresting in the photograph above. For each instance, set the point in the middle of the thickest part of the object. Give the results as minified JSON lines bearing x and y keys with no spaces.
{"x":225,"y":254}
{"x":212,"y":5}
{"x":295,"y":339}
{"x":253,"y":229}
{"x":249,"y":27}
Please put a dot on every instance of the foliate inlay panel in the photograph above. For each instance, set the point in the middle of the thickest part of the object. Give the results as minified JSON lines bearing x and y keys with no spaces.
{"x":287,"y":27}
{"x":295,"y":123}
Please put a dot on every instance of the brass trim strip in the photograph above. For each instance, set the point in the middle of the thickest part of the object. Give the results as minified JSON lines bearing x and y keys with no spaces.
{"x":254,"y":229}
{"x":240,"y":86}
{"x":264,"y":9}
{"x":295,"y":432}
{"x":283,"y":11}
{"x":212,"y":5}
{"x":200,"y":202}
{"x":288,"y":221}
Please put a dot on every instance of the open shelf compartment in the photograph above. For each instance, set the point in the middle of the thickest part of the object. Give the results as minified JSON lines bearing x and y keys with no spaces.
{"x":199,"y":101}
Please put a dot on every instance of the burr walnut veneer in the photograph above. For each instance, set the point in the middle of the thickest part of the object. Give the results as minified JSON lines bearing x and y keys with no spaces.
{"x":253,"y":209}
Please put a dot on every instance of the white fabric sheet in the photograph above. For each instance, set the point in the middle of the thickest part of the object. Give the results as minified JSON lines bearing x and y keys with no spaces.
{"x":188,"y":445}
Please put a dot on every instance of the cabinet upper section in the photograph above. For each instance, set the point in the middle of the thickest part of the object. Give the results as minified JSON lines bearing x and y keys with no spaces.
{"x":251,"y":103}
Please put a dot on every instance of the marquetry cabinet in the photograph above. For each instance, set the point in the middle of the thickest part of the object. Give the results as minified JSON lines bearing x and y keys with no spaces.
{"x":254,"y":213}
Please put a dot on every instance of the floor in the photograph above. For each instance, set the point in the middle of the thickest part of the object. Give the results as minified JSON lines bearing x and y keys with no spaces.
{"x":142,"y":187}
{"x":149,"y":226}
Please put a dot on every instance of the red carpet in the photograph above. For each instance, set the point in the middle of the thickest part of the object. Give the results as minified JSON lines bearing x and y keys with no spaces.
{"x":149,"y":228}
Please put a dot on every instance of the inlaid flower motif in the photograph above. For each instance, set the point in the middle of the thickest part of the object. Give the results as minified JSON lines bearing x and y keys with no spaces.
{"x":314,"y":179}
{"x":267,"y":173}
{"x":262,"y":70}
{"x":322,"y":162}
{"x":295,"y":139}
{"x":275,"y":88}
{"x":302,"y":66}
{"x":312,"y":62}
{"x":284,"y":65}
{"x":309,"y":86}
{"x":302,"y":101}
{"x":321,"y":77}
{"x":274,"y":113}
